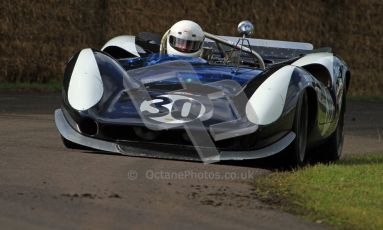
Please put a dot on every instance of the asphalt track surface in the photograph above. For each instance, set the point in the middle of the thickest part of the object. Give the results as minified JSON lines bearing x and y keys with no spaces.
{"x":43,"y":185}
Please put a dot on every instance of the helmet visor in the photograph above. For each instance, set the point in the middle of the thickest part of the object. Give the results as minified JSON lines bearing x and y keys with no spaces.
{"x":185,"y":46}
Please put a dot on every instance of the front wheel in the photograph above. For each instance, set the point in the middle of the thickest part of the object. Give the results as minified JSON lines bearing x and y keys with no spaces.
{"x":296,"y":152}
{"x":331,"y":150}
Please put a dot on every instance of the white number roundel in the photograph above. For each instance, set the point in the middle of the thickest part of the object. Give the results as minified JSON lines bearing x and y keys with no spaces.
{"x":172,"y":109}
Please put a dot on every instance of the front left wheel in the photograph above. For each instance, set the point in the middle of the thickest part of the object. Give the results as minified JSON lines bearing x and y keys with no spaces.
{"x":331,"y":150}
{"x":296,"y":153}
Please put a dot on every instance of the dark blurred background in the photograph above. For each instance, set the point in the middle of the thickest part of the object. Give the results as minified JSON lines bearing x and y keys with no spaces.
{"x":38,"y":37}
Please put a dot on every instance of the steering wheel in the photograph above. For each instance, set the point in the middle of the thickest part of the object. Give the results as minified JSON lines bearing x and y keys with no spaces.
{"x":220,"y":40}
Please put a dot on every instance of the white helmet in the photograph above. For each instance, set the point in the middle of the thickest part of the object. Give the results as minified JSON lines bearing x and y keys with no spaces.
{"x":185,"y":38}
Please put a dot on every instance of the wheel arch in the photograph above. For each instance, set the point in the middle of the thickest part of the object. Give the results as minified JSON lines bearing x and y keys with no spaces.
{"x":121,"y":47}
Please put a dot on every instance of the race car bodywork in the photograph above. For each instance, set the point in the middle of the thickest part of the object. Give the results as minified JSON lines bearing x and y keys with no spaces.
{"x":130,"y":99}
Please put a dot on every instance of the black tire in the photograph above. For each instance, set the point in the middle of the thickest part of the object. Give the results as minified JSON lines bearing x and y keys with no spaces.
{"x":331,"y":150}
{"x":296,"y":152}
{"x":71,"y":145}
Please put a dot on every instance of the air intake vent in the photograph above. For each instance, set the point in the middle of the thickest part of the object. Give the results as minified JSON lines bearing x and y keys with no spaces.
{"x":88,"y":126}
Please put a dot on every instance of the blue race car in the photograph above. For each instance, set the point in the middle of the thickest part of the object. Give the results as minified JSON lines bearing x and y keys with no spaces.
{"x":243,"y":98}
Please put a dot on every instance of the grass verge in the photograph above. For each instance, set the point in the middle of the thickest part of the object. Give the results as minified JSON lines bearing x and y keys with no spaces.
{"x":346,"y":195}
{"x":31,"y":87}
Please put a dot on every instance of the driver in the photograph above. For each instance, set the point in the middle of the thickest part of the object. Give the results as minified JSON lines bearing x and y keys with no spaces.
{"x":185,"y":38}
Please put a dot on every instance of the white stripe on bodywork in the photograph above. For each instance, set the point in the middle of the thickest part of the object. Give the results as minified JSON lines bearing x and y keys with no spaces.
{"x":324,"y":58}
{"x":126,"y":42}
{"x":85,"y":86}
{"x":266,"y":104}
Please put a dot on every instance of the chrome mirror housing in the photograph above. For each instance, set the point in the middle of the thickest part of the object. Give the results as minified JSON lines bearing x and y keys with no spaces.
{"x":245,"y":28}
